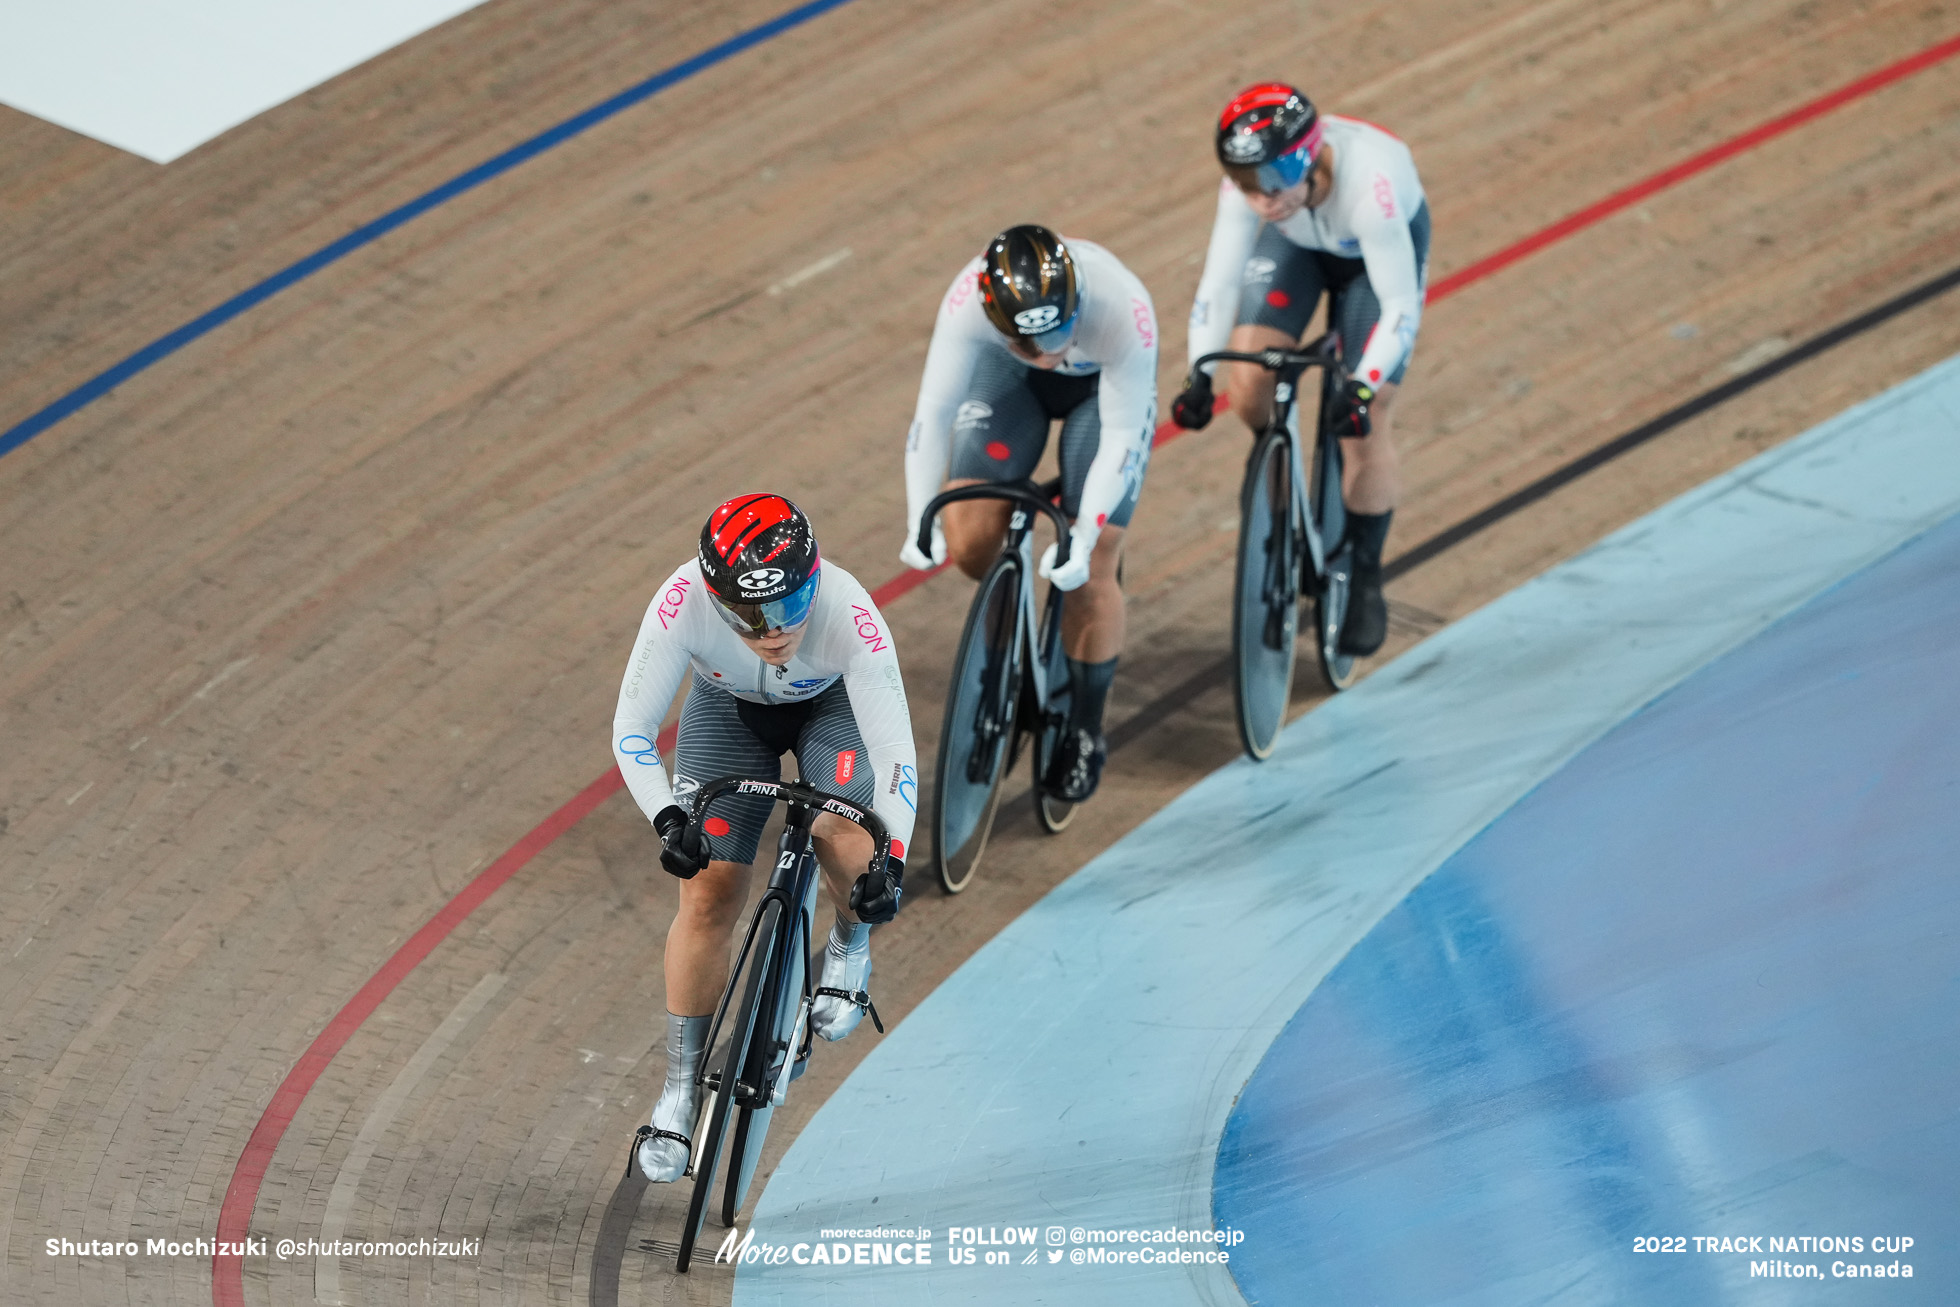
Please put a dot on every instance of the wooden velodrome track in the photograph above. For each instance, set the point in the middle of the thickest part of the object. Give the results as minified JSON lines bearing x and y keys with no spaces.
{"x":311,"y":621}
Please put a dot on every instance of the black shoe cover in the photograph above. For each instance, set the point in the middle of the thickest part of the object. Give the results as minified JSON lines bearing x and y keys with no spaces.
{"x":1367,"y":614}
{"x":1076,"y":769}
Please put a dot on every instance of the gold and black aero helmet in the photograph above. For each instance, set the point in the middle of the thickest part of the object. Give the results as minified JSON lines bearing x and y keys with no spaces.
{"x":1030,"y":289}
{"x":1269,"y":134}
{"x":759,"y":560}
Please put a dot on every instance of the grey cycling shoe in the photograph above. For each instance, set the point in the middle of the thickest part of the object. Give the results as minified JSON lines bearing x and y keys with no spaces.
{"x":842,"y":999}
{"x":663,"y":1145}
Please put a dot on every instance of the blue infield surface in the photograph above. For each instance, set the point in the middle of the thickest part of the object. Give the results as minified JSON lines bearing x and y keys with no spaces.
{"x":1704,"y":981}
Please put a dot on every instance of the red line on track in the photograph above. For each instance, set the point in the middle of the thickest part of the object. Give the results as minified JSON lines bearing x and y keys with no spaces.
{"x":241,"y":1196}
{"x":1702,"y":162}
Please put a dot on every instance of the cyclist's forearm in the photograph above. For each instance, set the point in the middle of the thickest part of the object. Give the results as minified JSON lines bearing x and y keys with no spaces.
{"x":1216,"y":306}
{"x":926,"y":455}
{"x":653,"y":676}
{"x":885,"y":724}
{"x":1390,"y":258}
{"x":1128,"y":423}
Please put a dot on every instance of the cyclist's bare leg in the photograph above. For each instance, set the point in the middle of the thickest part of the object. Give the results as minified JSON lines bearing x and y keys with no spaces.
{"x":1371,"y":468}
{"x":1371,"y":483}
{"x":698,"y":942}
{"x":1092,"y":619}
{"x":1249,"y":385}
{"x":974,"y":529}
{"x":697,"y":971}
{"x":844,"y":850}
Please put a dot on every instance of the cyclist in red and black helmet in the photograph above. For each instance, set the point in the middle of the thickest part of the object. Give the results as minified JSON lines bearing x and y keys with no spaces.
{"x":1039,"y":329}
{"x":787,"y":653}
{"x":1314,"y":205}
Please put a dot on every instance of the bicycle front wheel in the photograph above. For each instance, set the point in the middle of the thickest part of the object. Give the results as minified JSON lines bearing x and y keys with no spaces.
{"x":973,"y":742}
{"x":727,"y":1083}
{"x":1265,"y":604}
{"x":775,"y":1049}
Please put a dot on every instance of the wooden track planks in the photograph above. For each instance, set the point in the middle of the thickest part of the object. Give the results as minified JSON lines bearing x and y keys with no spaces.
{"x":310,"y":622}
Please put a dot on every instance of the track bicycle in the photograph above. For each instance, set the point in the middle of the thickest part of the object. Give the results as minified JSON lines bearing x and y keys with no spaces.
{"x":1292,"y":543}
{"x":1010,"y":684}
{"x":760,"y":1038}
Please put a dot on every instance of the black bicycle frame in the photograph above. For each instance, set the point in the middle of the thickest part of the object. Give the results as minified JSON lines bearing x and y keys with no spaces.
{"x":1287,"y":365}
{"x":1027,"y":499}
{"x":791,"y":883}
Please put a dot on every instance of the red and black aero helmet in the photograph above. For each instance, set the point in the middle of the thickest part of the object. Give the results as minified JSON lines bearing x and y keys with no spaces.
{"x":759,"y":559}
{"x":1271,"y":130}
{"x":1030,"y":289}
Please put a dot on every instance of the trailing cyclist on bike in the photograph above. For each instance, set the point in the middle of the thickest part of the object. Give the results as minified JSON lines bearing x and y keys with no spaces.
{"x":788,"y":654}
{"x":1314,"y":205}
{"x":1034,"y":330}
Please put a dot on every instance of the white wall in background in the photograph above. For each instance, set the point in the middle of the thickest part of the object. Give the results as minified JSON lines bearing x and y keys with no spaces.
{"x":161,"y":77}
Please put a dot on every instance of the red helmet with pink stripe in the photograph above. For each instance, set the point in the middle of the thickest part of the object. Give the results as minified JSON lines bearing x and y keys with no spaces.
{"x":759,"y":560}
{"x":1271,"y":131}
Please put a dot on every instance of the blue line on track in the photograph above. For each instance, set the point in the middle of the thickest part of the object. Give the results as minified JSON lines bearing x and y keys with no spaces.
{"x":164,"y":346}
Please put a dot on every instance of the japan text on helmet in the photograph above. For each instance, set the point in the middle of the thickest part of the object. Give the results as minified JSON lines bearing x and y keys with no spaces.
{"x":1030,"y":289}
{"x":1269,"y":135}
{"x":759,"y":559}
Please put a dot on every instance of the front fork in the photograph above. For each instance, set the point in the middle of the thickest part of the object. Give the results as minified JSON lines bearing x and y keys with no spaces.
{"x":787,"y":1059}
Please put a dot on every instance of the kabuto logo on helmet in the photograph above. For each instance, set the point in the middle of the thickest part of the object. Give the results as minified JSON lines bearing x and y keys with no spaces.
{"x":1243,"y":149}
{"x":761,"y":579}
{"x":1040,"y":318}
{"x":759,"y":560}
{"x":1028,"y":283}
{"x":1264,"y":122}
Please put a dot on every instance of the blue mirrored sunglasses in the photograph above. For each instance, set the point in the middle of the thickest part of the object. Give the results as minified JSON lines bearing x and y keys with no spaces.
{"x":1052,"y":341}
{"x":785,"y":614}
{"x":1285,"y":171}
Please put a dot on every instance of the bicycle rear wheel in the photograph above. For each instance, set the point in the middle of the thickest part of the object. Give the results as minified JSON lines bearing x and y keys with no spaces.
{"x":726,"y":1083}
{"x":1265,"y":604}
{"x":1050,"y":719}
{"x":979,"y":725}
{"x":1335,"y":584}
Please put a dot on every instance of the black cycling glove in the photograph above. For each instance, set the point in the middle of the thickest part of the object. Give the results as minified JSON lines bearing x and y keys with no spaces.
{"x":1351,"y":401}
{"x":875,"y":899}
{"x":1193,"y":409}
{"x":683,"y":849}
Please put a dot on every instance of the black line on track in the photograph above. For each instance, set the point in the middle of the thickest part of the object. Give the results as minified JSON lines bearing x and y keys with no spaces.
{"x":1219,"y":672}
{"x":609,"y":1250}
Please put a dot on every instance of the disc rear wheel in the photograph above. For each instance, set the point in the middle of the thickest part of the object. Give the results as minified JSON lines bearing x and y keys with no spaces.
{"x":1331,"y":590}
{"x":1052,"y":718}
{"x":1330,"y":614}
